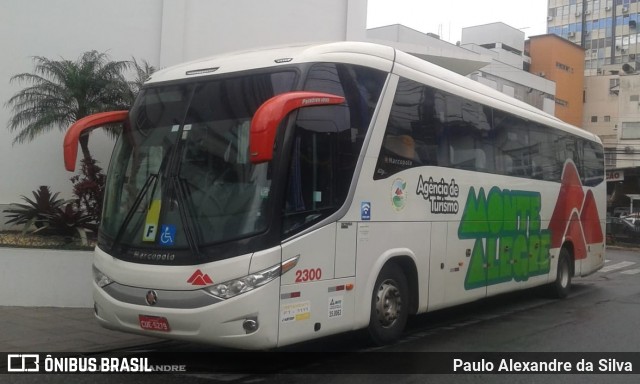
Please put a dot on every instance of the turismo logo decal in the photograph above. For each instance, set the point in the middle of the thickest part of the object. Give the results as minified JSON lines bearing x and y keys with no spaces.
{"x":398,"y":195}
{"x":442,"y":195}
{"x":509,"y":241}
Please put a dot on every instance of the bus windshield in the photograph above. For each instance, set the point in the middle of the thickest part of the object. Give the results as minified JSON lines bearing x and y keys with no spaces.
{"x":180,"y":176}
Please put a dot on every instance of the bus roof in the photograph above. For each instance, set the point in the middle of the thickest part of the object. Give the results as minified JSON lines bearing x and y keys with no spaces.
{"x":369,"y":54}
{"x":373,"y":55}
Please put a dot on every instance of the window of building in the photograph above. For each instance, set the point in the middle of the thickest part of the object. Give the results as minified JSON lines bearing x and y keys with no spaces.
{"x":610,"y":157}
{"x":631,"y":130}
{"x":564,"y":67}
{"x":607,"y":119}
{"x":634,"y":98}
{"x":594,"y":119}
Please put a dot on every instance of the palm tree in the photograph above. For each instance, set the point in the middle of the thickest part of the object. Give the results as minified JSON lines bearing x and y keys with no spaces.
{"x":142,"y":72}
{"x":62,"y":91}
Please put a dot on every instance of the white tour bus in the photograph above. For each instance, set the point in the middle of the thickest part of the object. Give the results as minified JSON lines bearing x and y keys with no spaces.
{"x":265,"y":198}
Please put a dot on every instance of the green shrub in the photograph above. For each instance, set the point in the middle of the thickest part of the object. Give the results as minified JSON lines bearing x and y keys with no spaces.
{"x":33,"y":213}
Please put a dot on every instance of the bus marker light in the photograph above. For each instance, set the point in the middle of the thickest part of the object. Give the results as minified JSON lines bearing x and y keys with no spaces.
{"x":291,"y":295}
{"x":349,"y":287}
{"x":202,"y":71}
{"x":289,"y":264}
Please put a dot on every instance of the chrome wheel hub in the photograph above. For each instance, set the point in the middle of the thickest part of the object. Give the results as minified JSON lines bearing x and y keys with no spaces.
{"x":388,"y":303}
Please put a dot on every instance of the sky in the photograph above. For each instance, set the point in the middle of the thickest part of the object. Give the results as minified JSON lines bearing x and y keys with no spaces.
{"x":447,"y":18}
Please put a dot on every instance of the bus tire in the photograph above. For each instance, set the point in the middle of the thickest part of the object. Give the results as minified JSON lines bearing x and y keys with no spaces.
{"x":561,"y":287}
{"x":389,"y":306}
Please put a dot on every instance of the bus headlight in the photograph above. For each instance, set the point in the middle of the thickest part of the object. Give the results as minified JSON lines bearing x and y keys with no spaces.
{"x":100,"y":278}
{"x":232,"y":288}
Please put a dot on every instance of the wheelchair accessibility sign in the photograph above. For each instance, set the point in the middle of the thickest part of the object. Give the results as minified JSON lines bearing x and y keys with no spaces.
{"x":167,"y":235}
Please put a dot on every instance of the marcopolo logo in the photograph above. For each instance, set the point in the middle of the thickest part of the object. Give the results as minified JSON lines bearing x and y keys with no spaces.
{"x":509,"y":243}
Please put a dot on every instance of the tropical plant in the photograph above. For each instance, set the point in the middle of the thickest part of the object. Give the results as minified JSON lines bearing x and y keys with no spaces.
{"x":88,"y":188}
{"x":60,"y":92}
{"x":68,"y":221}
{"x":33,"y":214}
{"x":142,"y":71}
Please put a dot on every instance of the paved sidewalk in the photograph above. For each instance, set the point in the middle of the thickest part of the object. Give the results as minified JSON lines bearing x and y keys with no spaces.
{"x":36,"y":329}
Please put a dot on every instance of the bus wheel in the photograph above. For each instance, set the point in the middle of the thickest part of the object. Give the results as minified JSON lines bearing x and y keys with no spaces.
{"x":560,"y":288}
{"x":389,"y":306}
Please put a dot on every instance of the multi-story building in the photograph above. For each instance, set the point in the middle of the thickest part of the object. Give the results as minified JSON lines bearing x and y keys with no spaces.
{"x":508,"y":70}
{"x":561,"y":61}
{"x":608,"y":31}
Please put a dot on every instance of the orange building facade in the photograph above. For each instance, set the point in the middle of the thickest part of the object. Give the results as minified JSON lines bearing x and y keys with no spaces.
{"x":561,"y":61}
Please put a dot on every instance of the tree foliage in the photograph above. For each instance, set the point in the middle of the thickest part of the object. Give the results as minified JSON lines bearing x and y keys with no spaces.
{"x":56,"y":94}
{"x":60,"y":92}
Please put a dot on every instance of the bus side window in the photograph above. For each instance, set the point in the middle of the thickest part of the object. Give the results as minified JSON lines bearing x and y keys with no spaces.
{"x":414,"y":135}
{"x":318,"y":181}
{"x":468,"y":127}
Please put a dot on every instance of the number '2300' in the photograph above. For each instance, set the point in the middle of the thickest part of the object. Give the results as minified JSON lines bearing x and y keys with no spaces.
{"x":303,"y":275}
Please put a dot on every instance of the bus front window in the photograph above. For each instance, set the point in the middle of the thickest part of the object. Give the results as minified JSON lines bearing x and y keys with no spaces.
{"x":180,"y":176}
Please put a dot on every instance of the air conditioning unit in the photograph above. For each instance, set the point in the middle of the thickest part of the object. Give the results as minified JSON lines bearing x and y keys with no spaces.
{"x":578,"y":14}
{"x":632,"y":56}
{"x":587,"y":12}
{"x":628,"y":68}
{"x":572,"y":34}
{"x":607,"y":8}
{"x":625,"y":9}
{"x":549,"y":18}
{"x":541,"y":74}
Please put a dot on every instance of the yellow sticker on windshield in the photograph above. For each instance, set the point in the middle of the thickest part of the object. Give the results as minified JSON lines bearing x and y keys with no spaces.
{"x":151,"y":223}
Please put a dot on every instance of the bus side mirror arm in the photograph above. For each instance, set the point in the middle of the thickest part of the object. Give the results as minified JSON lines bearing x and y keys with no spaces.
{"x":270,"y":114}
{"x":83,"y":126}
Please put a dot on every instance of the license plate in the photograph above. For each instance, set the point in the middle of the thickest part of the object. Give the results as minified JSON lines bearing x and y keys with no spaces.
{"x":154,"y":323}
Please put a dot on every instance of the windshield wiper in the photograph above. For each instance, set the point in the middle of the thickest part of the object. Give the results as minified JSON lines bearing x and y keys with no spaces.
{"x":152,"y":178}
{"x":187,"y":222}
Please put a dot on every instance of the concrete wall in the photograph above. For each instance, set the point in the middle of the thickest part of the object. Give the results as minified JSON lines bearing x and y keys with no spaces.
{"x":45,"y":278}
{"x":63,"y":29}
{"x":498,"y":34}
{"x":162,"y":32}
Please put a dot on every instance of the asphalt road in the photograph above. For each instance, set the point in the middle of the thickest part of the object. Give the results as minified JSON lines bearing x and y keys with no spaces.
{"x":602,"y":314}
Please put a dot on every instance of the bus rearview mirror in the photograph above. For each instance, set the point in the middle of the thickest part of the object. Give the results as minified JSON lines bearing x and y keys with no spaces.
{"x":270,"y":114}
{"x":83,"y":126}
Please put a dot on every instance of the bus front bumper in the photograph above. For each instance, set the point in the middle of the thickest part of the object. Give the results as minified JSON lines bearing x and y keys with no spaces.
{"x":247,"y":321}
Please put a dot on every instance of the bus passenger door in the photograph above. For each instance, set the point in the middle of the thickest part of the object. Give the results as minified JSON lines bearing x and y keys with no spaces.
{"x":312,"y":302}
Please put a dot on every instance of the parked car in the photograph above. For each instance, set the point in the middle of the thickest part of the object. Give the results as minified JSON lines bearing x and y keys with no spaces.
{"x":633,"y":220}
{"x":620,"y":211}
